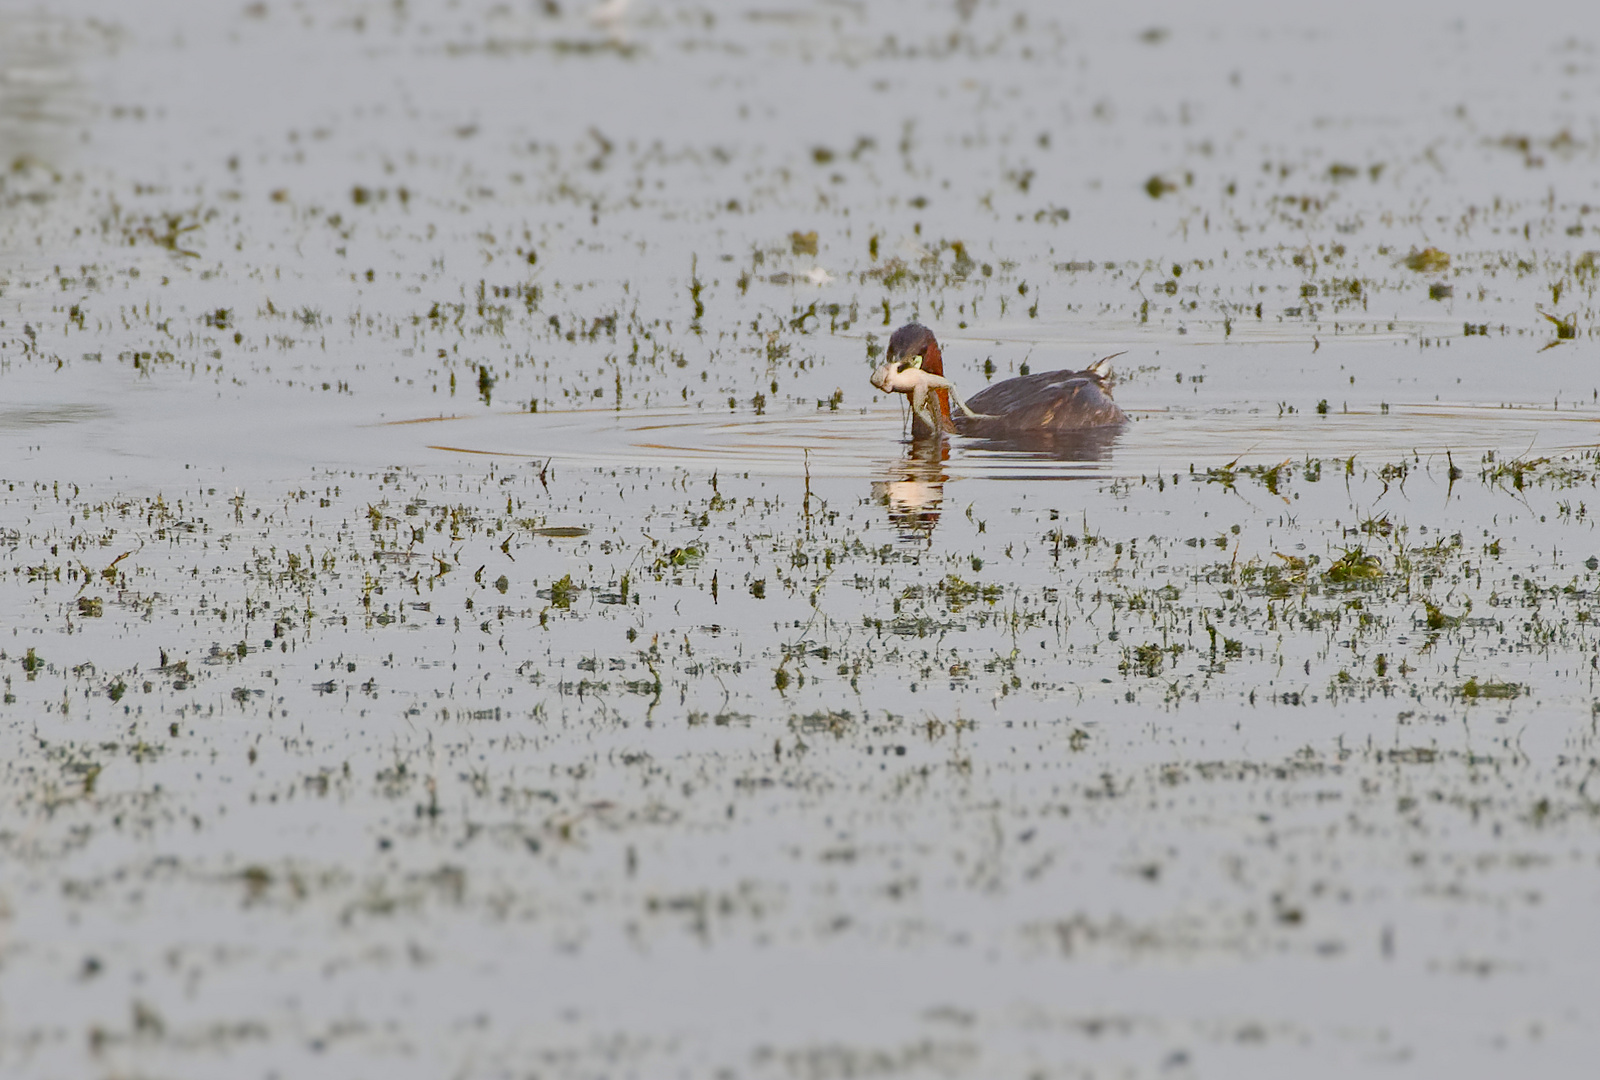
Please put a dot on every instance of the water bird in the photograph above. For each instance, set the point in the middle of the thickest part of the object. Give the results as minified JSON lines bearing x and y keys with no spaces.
{"x":1047,"y":404}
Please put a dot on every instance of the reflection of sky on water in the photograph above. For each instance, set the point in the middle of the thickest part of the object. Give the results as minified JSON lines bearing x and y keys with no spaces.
{"x":856,"y":444}
{"x":465,"y":611}
{"x":41,"y":99}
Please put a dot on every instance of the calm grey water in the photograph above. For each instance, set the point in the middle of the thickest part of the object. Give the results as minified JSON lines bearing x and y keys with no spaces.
{"x":463,"y":610}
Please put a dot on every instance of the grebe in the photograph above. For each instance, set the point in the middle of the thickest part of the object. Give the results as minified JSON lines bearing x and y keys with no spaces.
{"x":1049,"y":403}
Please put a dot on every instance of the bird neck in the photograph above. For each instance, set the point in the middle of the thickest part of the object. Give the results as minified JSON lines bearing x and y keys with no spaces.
{"x":933,"y":364}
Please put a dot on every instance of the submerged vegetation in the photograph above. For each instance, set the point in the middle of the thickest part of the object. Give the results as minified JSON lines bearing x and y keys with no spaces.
{"x":448,"y":539}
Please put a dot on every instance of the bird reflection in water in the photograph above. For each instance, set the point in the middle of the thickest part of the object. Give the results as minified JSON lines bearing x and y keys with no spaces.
{"x":1088,"y":444}
{"x":913,"y":493}
{"x":916,"y":493}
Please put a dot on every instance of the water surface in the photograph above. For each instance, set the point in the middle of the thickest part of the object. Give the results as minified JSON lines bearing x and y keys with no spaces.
{"x":464,"y":611}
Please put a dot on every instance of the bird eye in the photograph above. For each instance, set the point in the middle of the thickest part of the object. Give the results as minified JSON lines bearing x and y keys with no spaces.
{"x":914,"y":362}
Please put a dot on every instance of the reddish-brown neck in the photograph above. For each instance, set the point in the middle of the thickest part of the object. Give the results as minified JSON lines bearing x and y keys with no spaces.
{"x":933,"y":364}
